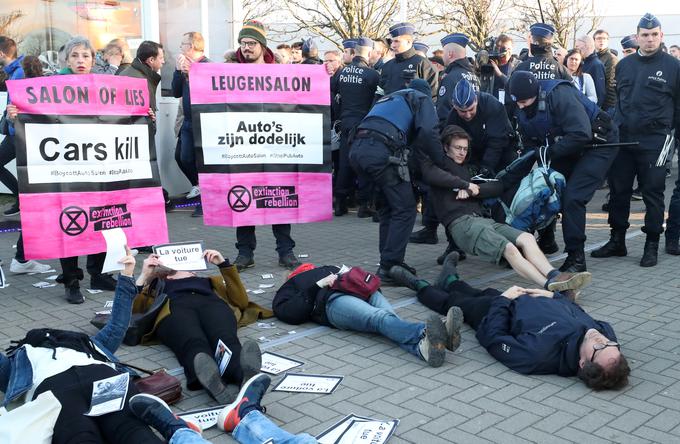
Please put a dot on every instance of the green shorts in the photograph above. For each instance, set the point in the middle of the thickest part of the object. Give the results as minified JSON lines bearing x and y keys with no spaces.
{"x":482,"y":237}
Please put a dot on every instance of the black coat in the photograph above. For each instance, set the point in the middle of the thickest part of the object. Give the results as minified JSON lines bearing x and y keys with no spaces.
{"x":397,"y":73}
{"x":356,"y":84}
{"x":300,"y":300}
{"x":545,"y":67}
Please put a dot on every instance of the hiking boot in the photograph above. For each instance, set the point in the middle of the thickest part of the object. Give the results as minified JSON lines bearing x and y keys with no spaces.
{"x":427,"y":235}
{"x":649,"y":256}
{"x":575,"y":262}
{"x":385,"y":276}
{"x":198,"y":211}
{"x":103,"y":281}
{"x":569,"y":281}
{"x":615,"y":246}
{"x":29,"y":267}
{"x":672,"y":246}
{"x":451,"y":247}
{"x":12,"y":211}
{"x":208,"y":374}
{"x":404,"y":277}
{"x":289,"y":261}
{"x":73,"y":294}
{"x":242,"y":262}
{"x":248,"y":399}
{"x":365,"y":211}
{"x":432,"y":346}
{"x":156,"y":413}
{"x":250,"y":359}
{"x":448,"y":269}
{"x":453,"y":324}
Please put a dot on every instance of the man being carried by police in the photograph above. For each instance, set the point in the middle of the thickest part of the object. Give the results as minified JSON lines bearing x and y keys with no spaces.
{"x":542,"y":63}
{"x":406,"y":65}
{"x":458,"y":67}
{"x":647,"y":110}
{"x":560,"y":123}
{"x":356,"y":84}
{"x":398,"y":124}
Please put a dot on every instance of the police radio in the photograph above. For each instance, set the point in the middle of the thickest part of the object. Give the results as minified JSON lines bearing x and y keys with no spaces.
{"x":542,"y":97}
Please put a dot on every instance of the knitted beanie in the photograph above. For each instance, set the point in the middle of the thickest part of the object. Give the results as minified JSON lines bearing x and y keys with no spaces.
{"x":254,"y":30}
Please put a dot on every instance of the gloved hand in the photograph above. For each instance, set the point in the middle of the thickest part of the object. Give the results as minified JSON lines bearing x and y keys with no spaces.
{"x":486,"y":172}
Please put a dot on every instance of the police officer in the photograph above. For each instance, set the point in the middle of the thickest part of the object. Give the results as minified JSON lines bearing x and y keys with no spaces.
{"x":629,"y":45}
{"x":542,"y":63}
{"x":356,"y":84}
{"x":348,"y":50}
{"x":421,"y":48}
{"x":553,"y":113}
{"x":647,"y":110}
{"x":457,"y":67}
{"x":484,"y":119}
{"x":397,"y":123}
{"x":406,"y":64}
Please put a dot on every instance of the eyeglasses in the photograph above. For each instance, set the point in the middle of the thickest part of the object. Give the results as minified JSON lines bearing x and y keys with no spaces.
{"x":459,"y":148}
{"x":600,"y":346}
{"x":248,"y":44}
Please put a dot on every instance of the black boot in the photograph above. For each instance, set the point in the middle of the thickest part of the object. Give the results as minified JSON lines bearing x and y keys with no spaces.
{"x":427,"y":235}
{"x":649,"y":257}
{"x":365,"y":211}
{"x":451,"y":247}
{"x":672,"y":246}
{"x":340,"y":207}
{"x":575,"y":262}
{"x":616,"y":246}
{"x":546,"y":239}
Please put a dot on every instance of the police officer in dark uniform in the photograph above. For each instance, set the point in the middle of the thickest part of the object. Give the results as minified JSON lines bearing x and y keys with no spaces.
{"x":542,"y":63}
{"x":398,"y":123}
{"x":348,"y":46}
{"x":553,"y":113}
{"x":406,"y":64}
{"x":356,"y":84}
{"x":629,"y":45}
{"x":647,"y":110}
{"x":457,"y":67}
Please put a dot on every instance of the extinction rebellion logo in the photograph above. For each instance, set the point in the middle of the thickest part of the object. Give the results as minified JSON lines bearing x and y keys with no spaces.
{"x":74,"y":220}
{"x":266,"y":196}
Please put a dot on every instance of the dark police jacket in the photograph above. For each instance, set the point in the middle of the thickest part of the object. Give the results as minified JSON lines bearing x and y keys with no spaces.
{"x":544,"y":65}
{"x":356,"y":84}
{"x":300,"y":300}
{"x":397,"y":73}
{"x":457,"y":70}
{"x":593,"y":66}
{"x":648,"y":94}
{"x":537,"y":335}
{"x":490,"y":130}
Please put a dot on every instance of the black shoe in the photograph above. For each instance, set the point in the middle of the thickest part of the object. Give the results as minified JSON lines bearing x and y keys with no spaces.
{"x":289,"y":261}
{"x":672,"y":246}
{"x":637,"y":195}
{"x":451,"y":247}
{"x":546,"y":239}
{"x":649,"y":256}
{"x":365,"y":211}
{"x":404,"y":277}
{"x":169,"y":206}
{"x":616,"y":246}
{"x":448,"y":269}
{"x":12,"y":211}
{"x":242,"y":262}
{"x":340,"y":207}
{"x":208,"y":374}
{"x":73,"y":295}
{"x":198,"y":211}
{"x":156,"y":413}
{"x":103,"y":282}
{"x":250,"y":359}
{"x":426,"y":235}
{"x":575,"y":262}
{"x":376,"y":217}
{"x":385,"y":276}
{"x":408,"y":267}
{"x":605,"y":207}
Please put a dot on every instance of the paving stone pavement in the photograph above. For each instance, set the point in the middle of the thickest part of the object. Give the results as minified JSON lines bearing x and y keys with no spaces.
{"x":471,"y":398}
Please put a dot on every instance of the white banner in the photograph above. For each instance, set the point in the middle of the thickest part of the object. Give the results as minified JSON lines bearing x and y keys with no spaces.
{"x":77,"y":152}
{"x":236,"y":138}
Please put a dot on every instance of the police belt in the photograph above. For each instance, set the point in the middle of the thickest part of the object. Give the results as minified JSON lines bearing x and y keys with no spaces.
{"x":395,"y":145}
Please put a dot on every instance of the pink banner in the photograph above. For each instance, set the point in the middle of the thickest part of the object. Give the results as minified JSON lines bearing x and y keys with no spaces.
{"x":84,"y":94}
{"x":57,"y":225}
{"x":239,"y":199}
{"x":259,"y":83}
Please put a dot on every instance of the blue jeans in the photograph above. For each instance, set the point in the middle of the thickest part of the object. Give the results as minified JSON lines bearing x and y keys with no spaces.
{"x":348,"y":312}
{"x":187,"y":436}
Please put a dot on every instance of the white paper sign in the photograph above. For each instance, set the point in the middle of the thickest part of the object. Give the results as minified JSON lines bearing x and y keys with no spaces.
{"x":305,"y":383}
{"x":115,"y":249}
{"x":222,"y":356}
{"x":206,"y":418}
{"x":108,"y":395}
{"x":185,"y":256}
{"x":275,"y":364}
{"x":353,"y":428}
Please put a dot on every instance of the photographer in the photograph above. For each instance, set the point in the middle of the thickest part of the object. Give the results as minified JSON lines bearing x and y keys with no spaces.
{"x":503,"y":63}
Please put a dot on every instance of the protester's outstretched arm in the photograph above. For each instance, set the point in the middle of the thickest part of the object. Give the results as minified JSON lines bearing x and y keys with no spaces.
{"x":111,"y":336}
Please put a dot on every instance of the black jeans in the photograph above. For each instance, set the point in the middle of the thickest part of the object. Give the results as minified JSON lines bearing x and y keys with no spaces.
{"x":246,"y":240}
{"x":72,"y":273}
{"x":474,"y":302}
{"x":195,"y":324}
{"x":188,"y":153}
{"x":73,"y":389}
{"x":7,"y":154}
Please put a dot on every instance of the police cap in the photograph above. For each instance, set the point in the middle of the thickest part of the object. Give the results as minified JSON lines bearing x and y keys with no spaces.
{"x":457,"y":38}
{"x":349,"y":43}
{"x":649,"y":21}
{"x":403,"y":28}
{"x":464,"y":94}
{"x":420,"y":46}
{"x":364,"y":41}
{"x":542,"y":30}
{"x":629,"y":42}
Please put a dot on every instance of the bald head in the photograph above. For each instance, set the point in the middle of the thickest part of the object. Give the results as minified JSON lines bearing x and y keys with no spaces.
{"x":586,"y":44}
{"x":453,"y":52}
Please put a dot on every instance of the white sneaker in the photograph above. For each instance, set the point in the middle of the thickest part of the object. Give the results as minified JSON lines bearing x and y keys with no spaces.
{"x":195,"y":192}
{"x":28,"y":267}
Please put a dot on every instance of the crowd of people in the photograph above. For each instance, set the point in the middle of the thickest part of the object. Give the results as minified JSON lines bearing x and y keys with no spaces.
{"x":412,"y":131}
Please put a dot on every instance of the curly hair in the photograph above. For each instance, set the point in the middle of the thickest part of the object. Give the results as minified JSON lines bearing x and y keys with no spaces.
{"x":599,"y":378}
{"x":32,"y":67}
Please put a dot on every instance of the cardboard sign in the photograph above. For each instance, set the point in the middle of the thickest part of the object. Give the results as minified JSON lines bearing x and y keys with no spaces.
{"x":307,"y":383}
{"x":206,"y":417}
{"x":184,"y":256}
{"x":353,"y":428}
{"x":275,"y":364}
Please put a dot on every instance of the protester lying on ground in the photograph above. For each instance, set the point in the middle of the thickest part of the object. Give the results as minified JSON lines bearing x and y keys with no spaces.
{"x":457,"y":204}
{"x":69,"y":363}
{"x":310,"y":295}
{"x":191,"y":314}
{"x":531,"y":331}
{"x":244,"y":418}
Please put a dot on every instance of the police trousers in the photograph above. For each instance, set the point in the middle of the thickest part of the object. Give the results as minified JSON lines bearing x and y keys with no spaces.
{"x":347,"y":181}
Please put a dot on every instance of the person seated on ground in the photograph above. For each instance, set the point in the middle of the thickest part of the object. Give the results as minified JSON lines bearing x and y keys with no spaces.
{"x":244,"y":418}
{"x":529,"y":330}
{"x":68,"y":363}
{"x":456,"y":201}
{"x":191,"y":314}
{"x":307,"y":296}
